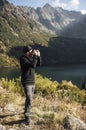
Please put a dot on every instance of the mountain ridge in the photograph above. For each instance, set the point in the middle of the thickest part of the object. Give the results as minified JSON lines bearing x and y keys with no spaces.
{"x":20,"y":25}
{"x":48,"y":18}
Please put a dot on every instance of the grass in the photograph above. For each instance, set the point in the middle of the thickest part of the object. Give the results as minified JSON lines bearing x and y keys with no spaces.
{"x":47,"y":113}
{"x":46,"y":87}
{"x":48,"y":110}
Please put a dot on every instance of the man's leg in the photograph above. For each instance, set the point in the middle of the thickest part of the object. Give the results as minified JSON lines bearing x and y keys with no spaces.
{"x":29,"y":91}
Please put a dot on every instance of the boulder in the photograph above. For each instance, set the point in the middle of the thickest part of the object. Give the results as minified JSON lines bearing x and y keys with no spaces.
{"x":72,"y":123}
{"x":9,"y":107}
{"x":2,"y":127}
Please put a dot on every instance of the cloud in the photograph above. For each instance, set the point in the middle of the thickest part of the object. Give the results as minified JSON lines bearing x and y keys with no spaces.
{"x":74,"y":4}
{"x":59,"y":4}
{"x":71,"y":5}
{"x":83,"y":11}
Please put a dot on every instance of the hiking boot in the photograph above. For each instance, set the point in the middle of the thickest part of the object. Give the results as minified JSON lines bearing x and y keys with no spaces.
{"x":27,"y":120}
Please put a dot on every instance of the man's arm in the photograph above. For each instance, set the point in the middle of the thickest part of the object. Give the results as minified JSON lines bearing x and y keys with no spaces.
{"x":39,"y":60}
{"x":27,"y":63}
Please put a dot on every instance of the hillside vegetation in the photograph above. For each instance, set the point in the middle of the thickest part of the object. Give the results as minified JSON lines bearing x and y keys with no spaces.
{"x":17,"y":31}
{"x":52,"y":102}
{"x":5,"y":59}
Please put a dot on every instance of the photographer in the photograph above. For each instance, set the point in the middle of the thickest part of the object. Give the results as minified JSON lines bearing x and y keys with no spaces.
{"x":28,"y":62}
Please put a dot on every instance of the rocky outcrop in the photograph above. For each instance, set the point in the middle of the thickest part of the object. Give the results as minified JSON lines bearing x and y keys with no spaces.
{"x":50,"y":18}
{"x":2,"y":127}
{"x":47,"y":18}
{"x":9,"y":108}
{"x":77,"y":29}
{"x":3,"y":2}
{"x":73,"y":123}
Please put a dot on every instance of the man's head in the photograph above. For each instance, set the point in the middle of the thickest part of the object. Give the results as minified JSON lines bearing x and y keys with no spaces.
{"x":27,"y":49}
{"x":30,"y":52}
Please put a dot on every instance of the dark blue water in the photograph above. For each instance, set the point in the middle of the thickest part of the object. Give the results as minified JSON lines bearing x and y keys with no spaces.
{"x":74,"y":73}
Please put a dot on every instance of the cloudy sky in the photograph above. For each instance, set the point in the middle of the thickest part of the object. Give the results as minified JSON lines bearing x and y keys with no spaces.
{"x":77,"y":5}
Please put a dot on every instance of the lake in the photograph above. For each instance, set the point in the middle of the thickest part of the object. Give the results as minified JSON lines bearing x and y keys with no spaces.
{"x":74,"y":73}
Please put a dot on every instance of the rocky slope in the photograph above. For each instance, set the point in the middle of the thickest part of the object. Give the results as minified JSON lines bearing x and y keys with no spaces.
{"x":46,"y":18}
{"x":55,"y":19}
{"x":77,"y":29}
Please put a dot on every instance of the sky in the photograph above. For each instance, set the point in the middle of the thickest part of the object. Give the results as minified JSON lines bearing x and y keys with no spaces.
{"x":77,"y":5}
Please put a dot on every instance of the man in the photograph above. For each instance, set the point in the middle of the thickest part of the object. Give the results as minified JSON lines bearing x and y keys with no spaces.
{"x":28,"y":62}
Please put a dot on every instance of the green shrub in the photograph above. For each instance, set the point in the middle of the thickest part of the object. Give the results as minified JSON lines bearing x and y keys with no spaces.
{"x":46,"y":87}
{"x":67,"y":89}
{"x":13,"y":85}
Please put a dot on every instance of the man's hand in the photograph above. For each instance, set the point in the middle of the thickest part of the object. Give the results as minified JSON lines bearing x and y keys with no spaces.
{"x":35,"y":53}
{"x":38,"y":53}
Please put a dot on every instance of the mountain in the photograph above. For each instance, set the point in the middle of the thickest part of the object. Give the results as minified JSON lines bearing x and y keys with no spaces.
{"x":17,"y":27}
{"x":55,"y":19}
{"x":47,"y":18}
{"x":48,"y":29}
{"x":77,"y":29}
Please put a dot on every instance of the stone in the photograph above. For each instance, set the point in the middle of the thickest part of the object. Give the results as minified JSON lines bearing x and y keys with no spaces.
{"x":1,"y":109}
{"x":12,"y":129}
{"x":72,"y":123}
{"x":9,"y":107}
{"x":2,"y":127}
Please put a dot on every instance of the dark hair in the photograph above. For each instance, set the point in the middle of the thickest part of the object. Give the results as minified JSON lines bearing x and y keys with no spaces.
{"x":27,"y":49}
